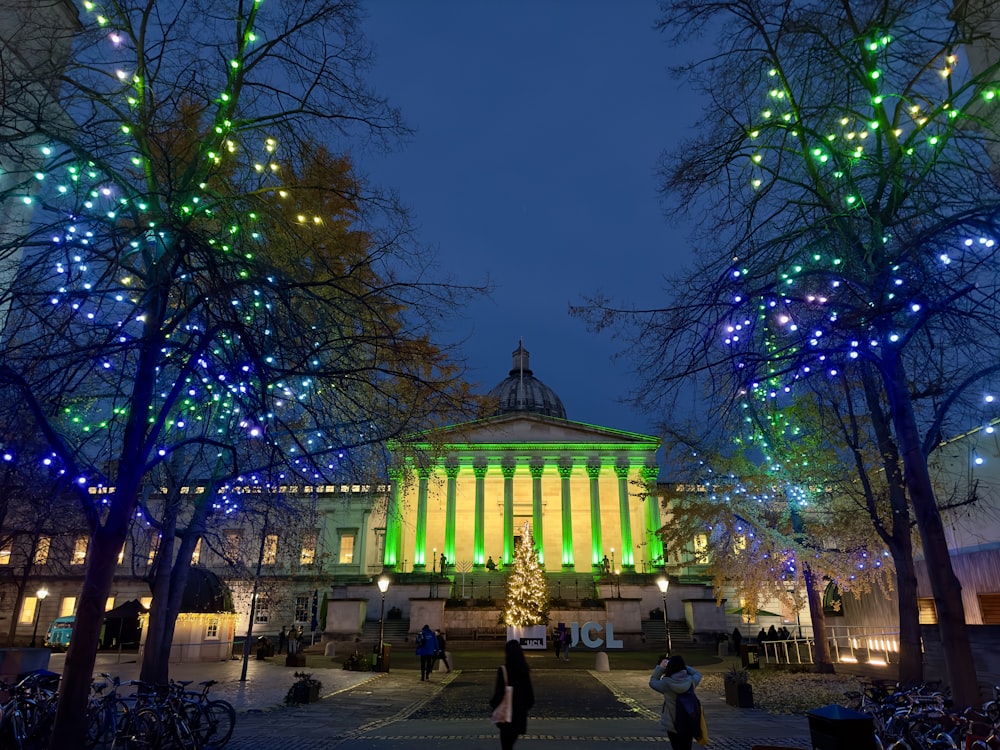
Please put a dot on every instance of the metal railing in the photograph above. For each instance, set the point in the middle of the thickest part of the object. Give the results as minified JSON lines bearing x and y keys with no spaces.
{"x":849,"y":644}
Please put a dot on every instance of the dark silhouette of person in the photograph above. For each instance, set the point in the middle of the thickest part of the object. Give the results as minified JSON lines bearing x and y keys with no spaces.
{"x":442,"y":648}
{"x":772,"y":634}
{"x":426,"y":648}
{"x":282,"y":639}
{"x":518,"y":675}
{"x":490,"y":565}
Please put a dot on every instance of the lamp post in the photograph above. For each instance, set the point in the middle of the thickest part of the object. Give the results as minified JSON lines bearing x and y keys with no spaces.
{"x":40,"y":594}
{"x":383,"y":586}
{"x":664,"y":584}
{"x":612,"y":558}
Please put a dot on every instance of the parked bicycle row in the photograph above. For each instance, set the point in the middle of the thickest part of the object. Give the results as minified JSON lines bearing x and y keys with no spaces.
{"x":921,"y":717}
{"x":130,"y":715}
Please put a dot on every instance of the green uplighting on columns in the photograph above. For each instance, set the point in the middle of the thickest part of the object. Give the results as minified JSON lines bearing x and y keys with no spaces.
{"x":420,"y":546}
{"x":536,"y":470}
{"x":479,"y":534}
{"x":628,"y":553}
{"x":596,"y":539}
{"x":450,"y":510}
{"x":393,"y":521}
{"x":565,"y":471}
{"x":648,"y":475}
{"x":508,"y":513}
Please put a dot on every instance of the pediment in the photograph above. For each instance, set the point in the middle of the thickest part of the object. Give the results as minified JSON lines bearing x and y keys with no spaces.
{"x":537,"y":429}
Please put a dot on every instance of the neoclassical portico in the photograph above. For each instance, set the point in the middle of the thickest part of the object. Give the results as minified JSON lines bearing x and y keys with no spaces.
{"x":581,"y":489}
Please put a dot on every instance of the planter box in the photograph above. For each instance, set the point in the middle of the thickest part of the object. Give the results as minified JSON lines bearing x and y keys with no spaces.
{"x":306,"y":693}
{"x":739,"y":695}
{"x":295,"y":660}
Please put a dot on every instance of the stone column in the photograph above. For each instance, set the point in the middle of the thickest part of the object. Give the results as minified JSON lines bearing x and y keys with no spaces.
{"x":508,"y":512}
{"x":420,"y":544}
{"x":479,"y":533}
{"x":625,"y":521}
{"x":536,"y":469}
{"x":450,"y":510}
{"x":648,"y":475}
{"x":565,"y":471}
{"x":596,"y":539}
{"x":392,"y":557}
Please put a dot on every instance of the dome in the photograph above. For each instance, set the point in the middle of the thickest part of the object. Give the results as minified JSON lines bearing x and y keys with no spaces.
{"x":521,"y":391}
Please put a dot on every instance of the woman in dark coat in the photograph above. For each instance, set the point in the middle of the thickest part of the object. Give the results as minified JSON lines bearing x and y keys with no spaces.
{"x":524,"y":695}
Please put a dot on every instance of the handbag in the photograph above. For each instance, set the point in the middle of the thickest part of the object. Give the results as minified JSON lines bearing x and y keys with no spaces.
{"x":503,"y":713}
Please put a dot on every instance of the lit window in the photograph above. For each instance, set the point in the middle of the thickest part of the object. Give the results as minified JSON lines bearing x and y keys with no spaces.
{"x":145,"y":601}
{"x":28,"y":610}
{"x":270,"y":549}
{"x":5,"y":554}
{"x":109,"y":604}
{"x":154,"y":547}
{"x":926,"y":611}
{"x":80,"y":551}
{"x":302,"y":608}
{"x":308,"y":555}
{"x":42,"y":550}
{"x":212,"y":629}
{"x":346,"y":549}
{"x":68,"y":606}
{"x":263,"y":611}
{"x":232,"y":546}
{"x":196,"y":555}
{"x":701,"y":549}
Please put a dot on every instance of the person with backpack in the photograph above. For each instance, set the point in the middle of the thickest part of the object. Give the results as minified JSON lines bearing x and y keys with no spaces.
{"x":426,"y":648}
{"x":681,"y":712}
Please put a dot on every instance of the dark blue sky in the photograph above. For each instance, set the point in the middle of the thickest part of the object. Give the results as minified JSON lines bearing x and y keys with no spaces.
{"x":538,"y":126}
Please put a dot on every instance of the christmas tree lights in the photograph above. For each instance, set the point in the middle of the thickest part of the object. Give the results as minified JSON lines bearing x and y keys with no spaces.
{"x":527,"y":592}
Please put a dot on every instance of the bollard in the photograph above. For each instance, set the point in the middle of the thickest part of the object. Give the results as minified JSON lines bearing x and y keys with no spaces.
{"x":330,"y":649}
{"x":602,"y":664}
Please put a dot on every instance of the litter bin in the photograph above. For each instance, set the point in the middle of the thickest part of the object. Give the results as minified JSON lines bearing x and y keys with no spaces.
{"x":385,"y":658}
{"x":835,"y":727}
{"x":750,"y":656}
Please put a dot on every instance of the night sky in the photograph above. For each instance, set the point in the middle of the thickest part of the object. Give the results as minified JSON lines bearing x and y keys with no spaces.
{"x":538,"y":128}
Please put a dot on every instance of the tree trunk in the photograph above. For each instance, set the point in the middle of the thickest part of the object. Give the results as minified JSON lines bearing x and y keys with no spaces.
{"x":821,"y":653}
{"x":898,"y":537}
{"x":156,"y":654}
{"x":945,"y":585}
{"x":74,"y":688}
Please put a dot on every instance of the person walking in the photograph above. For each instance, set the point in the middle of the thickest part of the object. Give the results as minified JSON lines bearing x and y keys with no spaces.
{"x":567,"y":641}
{"x":426,"y":647}
{"x":282,"y":639}
{"x":515,"y":672}
{"x":673,"y":677}
{"x":557,"y":637}
{"x":442,"y":649}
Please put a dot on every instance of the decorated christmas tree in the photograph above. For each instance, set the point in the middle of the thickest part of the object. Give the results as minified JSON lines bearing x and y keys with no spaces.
{"x":527,"y":591}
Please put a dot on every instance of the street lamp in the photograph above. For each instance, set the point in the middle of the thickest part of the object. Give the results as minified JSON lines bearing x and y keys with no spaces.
{"x":612,"y":558}
{"x":664,"y":584}
{"x":40,"y":594}
{"x":383,"y":586}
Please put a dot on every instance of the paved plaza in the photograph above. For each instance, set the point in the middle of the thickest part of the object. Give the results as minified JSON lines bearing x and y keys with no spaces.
{"x":576,"y":707}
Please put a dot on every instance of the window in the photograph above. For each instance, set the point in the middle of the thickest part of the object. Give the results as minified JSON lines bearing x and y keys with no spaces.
{"x":42,"y":550}
{"x":28,"y":610}
{"x":232,"y":546}
{"x":380,"y":545}
{"x":346,"y":555}
{"x":80,"y":551}
{"x":270,"y":549}
{"x":302,"y":605}
{"x":701,"y":549}
{"x":68,"y":606}
{"x":154,"y":547}
{"x":196,"y":555}
{"x":927,"y":611}
{"x":145,"y":601}
{"x":262,"y":613}
{"x":212,"y":629}
{"x":308,"y":554}
{"x":989,"y":608}
{"x":109,"y":604}
{"x":5,"y":553}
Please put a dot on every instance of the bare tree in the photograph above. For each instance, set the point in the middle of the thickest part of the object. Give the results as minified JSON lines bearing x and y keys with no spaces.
{"x":202,"y":275}
{"x":849,"y":212}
